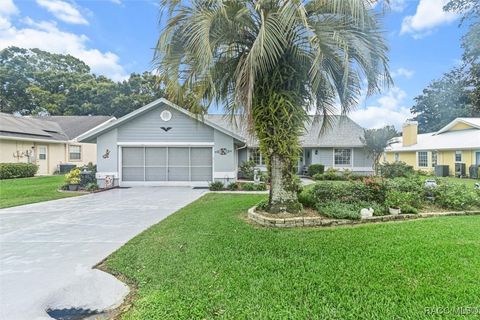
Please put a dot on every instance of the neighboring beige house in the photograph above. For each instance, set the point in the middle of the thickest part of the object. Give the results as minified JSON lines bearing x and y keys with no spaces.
{"x":47,"y":141}
{"x":457,"y":145}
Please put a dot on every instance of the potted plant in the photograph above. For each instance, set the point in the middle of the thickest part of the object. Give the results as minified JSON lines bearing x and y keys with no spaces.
{"x":394,"y":201}
{"x":73,"y":179}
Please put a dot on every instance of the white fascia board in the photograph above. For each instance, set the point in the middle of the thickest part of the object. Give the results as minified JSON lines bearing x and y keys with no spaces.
{"x":165,"y":144}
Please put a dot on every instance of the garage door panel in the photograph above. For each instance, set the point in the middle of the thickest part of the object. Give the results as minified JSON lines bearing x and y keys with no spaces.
{"x":156,"y":173}
{"x":132,"y":174}
{"x":201,"y":156}
{"x":133,"y":157}
{"x":178,"y":156}
{"x":167,"y":164}
{"x":178,"y":174}
{"x":156,"y":157}
{"x":201,"y":173}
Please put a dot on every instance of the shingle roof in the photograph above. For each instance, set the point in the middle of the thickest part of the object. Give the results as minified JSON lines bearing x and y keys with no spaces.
{"x":73,"y":126}
{"x":450,"y":140}
{"x":61,"y":128}
{"x":343,"y":132}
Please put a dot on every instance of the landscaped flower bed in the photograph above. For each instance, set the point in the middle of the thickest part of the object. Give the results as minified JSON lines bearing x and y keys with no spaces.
{"x":238,"y":186}
{"x":330,"y":202}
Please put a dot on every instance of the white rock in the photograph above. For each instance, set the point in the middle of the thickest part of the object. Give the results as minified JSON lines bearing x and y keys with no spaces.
{"x":366,"y":213}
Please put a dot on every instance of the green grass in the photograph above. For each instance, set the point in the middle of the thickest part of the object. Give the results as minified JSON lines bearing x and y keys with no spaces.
{"x":15,"y":192}
{"x":207,"y":262}
{"x":468,"y":182}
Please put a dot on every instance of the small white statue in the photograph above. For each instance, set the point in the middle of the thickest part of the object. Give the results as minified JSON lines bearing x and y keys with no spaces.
{"x":476,"y":186}
{"x":366,"y":213}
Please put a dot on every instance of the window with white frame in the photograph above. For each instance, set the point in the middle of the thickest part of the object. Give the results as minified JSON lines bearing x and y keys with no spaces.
{"x":42,"y":153}
{"x":458,"y":156}
{"x":422,"y":157}
{"x":434,"y":158}
{"x":396,"y":156}
{"x":75,"y":152}
{"x":342,"y":157}
{"x":256,"y":157}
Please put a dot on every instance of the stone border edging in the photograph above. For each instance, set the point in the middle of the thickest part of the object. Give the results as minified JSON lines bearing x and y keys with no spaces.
{"x":323,"y":222}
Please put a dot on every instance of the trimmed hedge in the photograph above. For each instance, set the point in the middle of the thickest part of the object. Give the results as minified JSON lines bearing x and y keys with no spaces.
{"x":314,"y":169}
{"x":17,"y":170}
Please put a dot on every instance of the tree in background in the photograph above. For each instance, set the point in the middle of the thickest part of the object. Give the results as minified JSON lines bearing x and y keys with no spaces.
{"x":271,"y":60}
{"x":457,"y":92}
{"x":470,"y":10}
{"x":36,"y":81}
{"x":443,"y":101}
{"x":376,"y":141}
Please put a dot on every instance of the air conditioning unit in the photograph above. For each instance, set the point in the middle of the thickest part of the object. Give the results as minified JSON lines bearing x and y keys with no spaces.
{"x":460,"y":170}
{"x":442,"y":170}
{"x":473,"y":171}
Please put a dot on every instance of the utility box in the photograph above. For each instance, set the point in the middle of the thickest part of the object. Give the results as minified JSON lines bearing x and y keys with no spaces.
{"x":66,"y":168}
{"x":441,"y":170}
{"x":473,"y":171}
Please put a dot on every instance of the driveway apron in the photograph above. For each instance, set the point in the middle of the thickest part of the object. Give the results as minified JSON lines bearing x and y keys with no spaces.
{"x":47,"y":250}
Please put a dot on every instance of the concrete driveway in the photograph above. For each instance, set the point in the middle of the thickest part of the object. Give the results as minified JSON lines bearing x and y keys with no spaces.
{"x":47,"y":249}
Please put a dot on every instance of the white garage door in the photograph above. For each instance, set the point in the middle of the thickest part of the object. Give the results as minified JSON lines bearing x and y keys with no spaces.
{"x":166,"y":164}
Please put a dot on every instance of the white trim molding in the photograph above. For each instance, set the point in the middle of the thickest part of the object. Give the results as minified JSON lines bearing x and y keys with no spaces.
{"x":165,"y":144}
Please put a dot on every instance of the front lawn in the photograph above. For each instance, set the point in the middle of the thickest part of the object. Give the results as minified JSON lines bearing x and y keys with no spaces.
{"x":470,"y":183}
{"x":15,"y":192}
{"x":206,"y":262}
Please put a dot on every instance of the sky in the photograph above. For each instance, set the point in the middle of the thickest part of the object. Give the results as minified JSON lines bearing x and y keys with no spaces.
{"x":117,"y":37}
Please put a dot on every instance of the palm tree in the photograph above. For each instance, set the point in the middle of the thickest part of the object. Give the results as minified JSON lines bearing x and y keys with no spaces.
{"x":274,"y":62}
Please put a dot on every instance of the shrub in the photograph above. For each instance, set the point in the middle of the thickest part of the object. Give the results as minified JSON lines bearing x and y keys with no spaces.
{"x":17,"y":170}
{"x":327,"y":191}
{"x":247,"y":168}
{"x":73,"y":177}
{"x":92,"y":186}
{"x":306,"y":198}
{"x":414,"y":186}
{"x":339,"y":210}
{"x":250,"y":186}
{"x":232,"y":186}
{"x":369,"y":189}
{"x":216,"y":186}
{"x":397,"y":199}
{"x":314,"y":169}
{"x":330,"y":175}
{"x":396,"y":169}
{"x":263,"y":205}
{"x":456,"y":196}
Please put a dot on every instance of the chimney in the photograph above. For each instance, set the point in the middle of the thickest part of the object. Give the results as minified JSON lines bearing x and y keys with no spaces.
{"x":409,"y":133}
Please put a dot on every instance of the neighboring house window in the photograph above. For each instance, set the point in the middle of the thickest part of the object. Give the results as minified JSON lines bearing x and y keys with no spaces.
{"x":458,"y":156}
{"x":396,"y":156}
{"x":422,"y":158}
{"x":42,"y":153}
{"x":256,"y":156}
{"x":75,"y":152}
{"x":434,"y":158}
{"x":343,"y":157}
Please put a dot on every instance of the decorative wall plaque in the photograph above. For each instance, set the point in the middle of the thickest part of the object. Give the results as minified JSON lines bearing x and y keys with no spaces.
{"x":106,"y":155}
{"x":166,"y":115}
{"x":223,"y":151}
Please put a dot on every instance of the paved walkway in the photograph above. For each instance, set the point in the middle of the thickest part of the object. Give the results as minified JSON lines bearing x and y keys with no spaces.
{"x":47,"y":249}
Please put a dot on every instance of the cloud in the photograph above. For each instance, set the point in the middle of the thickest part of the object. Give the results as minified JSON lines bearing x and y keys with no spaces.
{"x":398,"y":5}
{"x":389,"y":110}
{"x":428,"y":16}
{"x":7,"y":8}
{"x":63,"y":11}
{"x":47,"y":36}
{"x":403,"y":72}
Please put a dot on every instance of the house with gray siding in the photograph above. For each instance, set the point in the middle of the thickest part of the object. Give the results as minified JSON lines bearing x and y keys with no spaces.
{"x":164,"y":144}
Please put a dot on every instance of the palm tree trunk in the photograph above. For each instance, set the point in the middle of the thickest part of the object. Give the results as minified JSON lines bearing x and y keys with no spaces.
{"x":283,"y":197}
